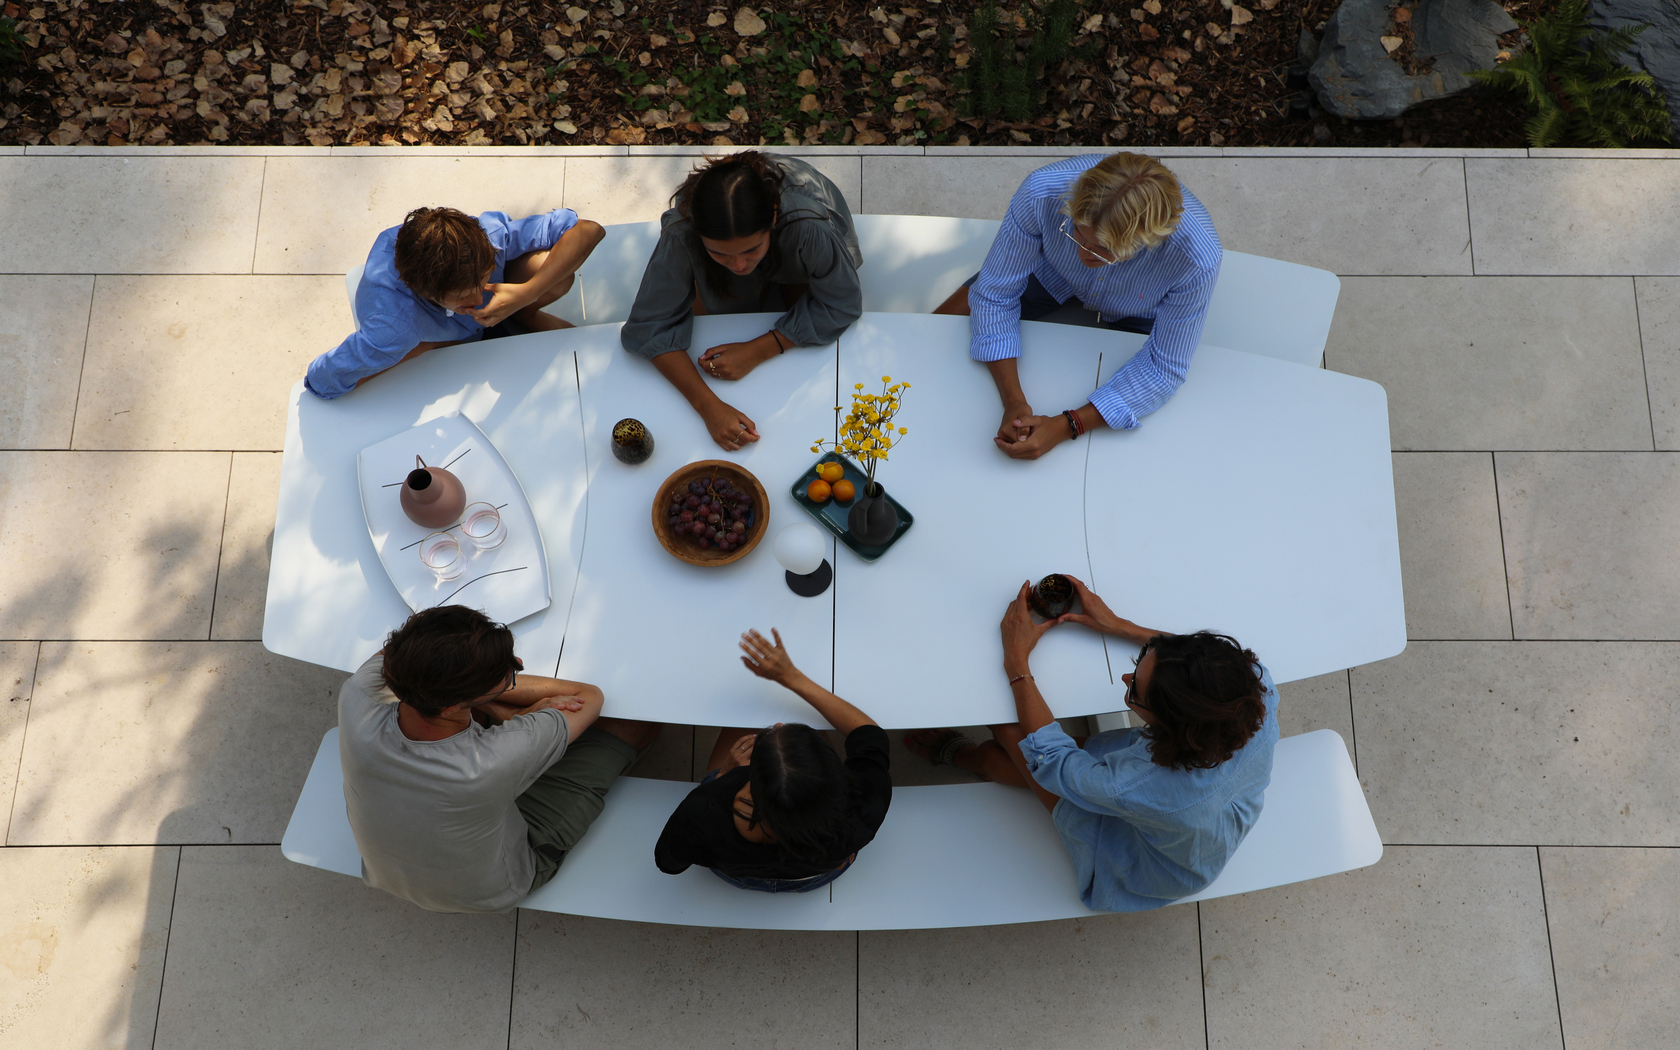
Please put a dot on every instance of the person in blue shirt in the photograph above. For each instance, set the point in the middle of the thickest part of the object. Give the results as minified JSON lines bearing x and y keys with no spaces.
{"x":1120,"y":235}
{"x":1148,"y":815}
{"x":444,"y":277}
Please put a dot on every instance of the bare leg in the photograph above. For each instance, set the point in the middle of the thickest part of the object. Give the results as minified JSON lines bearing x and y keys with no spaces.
{"x":987,"y":758}
{"x":956,"y":304}
{"x":720,"y":750}
{"x":522,"y":269}
{"x":1008,"y":738}
{"x":639,"y":735}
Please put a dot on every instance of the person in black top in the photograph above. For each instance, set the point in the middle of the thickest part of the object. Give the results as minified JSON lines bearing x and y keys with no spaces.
{"x":779,"y":811}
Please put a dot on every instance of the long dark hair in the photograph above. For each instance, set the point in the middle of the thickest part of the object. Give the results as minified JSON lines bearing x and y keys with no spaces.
{"x":800,"y":790}
{"x":1206,"y":696}
{"x":727,"y":198}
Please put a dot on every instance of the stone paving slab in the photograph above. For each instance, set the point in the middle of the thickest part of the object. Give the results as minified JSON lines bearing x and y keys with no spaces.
{"x":1428,"y":948}
{"x":98,"y":214}
{"x":84,"y":936}
{"x":1498,"y":362}
{"x":1556,"y":743}
{"x":267,"y":953}
{"x":1589,"y":543}
{"x":1575,"y":216}
{"x":194,"y":362}
{"x":43,"y":332}
{"x":1659,"y":335}
{"x":109,"y":544}
{"x":1106,"y":981}
{"x":247,"y":542}
{"x":17,"y":682}
{"x":168,"y":742}
{"x":605,"y":984}
{"x":1613,"y":927}
{"x":1452,"y":557}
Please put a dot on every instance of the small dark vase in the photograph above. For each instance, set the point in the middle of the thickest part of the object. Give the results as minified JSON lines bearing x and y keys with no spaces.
{"x":873,"y":519}
{"x":631,"y":442}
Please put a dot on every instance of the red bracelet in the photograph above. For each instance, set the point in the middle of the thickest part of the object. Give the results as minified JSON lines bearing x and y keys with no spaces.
{"x":1074,"y":422}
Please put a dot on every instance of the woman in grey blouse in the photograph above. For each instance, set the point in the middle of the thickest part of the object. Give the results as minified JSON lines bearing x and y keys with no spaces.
{"x":747,"y":233}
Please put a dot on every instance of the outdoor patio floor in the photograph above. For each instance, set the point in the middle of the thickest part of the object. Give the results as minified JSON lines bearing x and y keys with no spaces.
{"x":1520,"y":757}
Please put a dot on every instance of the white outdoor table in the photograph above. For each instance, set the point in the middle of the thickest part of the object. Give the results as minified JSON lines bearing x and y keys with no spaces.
{"x":916,"y":632}
{"x":659,"y":636}
{"x":330,"y":601}
{"x":1259,"y":502}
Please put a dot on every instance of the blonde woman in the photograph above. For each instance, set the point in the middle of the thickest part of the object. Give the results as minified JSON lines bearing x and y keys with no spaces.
{"x":1121,"y":236}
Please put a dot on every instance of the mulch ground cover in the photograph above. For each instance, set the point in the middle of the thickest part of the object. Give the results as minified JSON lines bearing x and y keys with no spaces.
{"x":349,"y":72}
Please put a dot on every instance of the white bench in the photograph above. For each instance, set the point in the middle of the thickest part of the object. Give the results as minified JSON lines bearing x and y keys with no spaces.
{"x":950,"y":855}
{"x":913,"y":262}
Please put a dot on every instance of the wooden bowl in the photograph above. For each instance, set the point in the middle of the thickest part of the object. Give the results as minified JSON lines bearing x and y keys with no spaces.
{"x":682,"y":549}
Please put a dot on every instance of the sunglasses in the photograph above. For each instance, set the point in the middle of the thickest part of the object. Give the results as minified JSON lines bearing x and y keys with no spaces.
{"x":1131,"y":687}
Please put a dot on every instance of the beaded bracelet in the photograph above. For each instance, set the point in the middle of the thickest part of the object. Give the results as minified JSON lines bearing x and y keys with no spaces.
{"x":1074,"y":423}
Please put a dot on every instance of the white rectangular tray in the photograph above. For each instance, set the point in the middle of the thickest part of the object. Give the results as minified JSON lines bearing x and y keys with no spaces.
{"x":507,"y":583}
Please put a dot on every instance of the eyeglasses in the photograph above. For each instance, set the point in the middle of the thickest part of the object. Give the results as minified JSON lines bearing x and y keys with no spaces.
{"x":1131,"y":687}
{"x":512,"y":678}
{"x":1101,"y":255}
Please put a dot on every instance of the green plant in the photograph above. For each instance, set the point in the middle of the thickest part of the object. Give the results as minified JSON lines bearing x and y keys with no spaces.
{"x":1581,"y":94}
{"x":11,"y":43}
{"x":1001,"y":83}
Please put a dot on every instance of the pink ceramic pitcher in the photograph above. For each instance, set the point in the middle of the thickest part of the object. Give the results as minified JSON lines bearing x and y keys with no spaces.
{"x":432,"y":497}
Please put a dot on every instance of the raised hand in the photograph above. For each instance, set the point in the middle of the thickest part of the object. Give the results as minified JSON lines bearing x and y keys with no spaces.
{"x":767,"y":660}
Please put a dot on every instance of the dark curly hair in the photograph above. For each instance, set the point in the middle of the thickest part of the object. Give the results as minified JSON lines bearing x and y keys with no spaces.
{"x":801,"y":791}
{"x":731,"y":197}
{"x":442,"y":252}
{"x":445,"y":656}
{"x":1206,"y":697}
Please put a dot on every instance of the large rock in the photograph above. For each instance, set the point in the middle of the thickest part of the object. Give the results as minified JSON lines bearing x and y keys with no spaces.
{"x":1657,"y":50}
{"x":1356,"y":77}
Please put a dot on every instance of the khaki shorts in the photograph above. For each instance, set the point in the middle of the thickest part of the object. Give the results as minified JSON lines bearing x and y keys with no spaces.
{"x":566,"y":799}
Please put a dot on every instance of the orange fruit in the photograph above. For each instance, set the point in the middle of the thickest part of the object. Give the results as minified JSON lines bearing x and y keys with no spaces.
{"x":818,"y":492}
{"x":831,"y":472}
{"x":844,"y":491}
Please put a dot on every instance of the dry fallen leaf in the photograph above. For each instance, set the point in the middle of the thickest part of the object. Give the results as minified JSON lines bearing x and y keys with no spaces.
{"x":1186,"y":124}
{"x":576,"y":14}
{"x":565,"y":127}
{"x":747,"y":22}
{"x":1241,"y":15}
{"x":716,"y":18}
{"x":1390,"y":43}
{"x":1152,"y":6}
{"x":870,"y":138}
{"x":738,"y":114}
{"x":1091,"y":25}
{"x":1402,"y":15}
{"x":735,"y":88}
{"x":1149,"y":32}
{"x":807,"y":78}
{"x":808,"y":103}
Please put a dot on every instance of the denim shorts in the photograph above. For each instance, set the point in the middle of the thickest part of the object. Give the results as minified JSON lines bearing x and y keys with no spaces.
{"x":779,"y":885}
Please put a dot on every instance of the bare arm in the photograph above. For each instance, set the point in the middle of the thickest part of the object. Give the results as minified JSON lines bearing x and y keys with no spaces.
{"x":559,"y":264}
{"x":772,"y":662}
{"x":729,"y":428}
{"x":578,"y":702}
{"x":1099,"y":617}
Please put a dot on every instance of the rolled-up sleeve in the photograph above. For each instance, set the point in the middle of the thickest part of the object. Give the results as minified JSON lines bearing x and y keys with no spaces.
{"x":994,"y":300}
{"x":662,"y":318}
{"x":1156,"y":371}
{"x":1064,"y":769}
{"x":534,"y":233}
{"x":376,"y":346}
{"x":833,"y":298}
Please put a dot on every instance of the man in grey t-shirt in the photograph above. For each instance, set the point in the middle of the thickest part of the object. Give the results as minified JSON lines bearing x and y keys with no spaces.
{"x":466,"y":782}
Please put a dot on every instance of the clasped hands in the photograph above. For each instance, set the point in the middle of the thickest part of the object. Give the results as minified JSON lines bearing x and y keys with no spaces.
{"x":1021,"y":635}
{"x":1023,"y":435}
{"x":505,"y":301}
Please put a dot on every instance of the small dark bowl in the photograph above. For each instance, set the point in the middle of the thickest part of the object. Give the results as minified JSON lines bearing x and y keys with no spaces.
{"x":683,"y":550}
{"x":1053,"y":596}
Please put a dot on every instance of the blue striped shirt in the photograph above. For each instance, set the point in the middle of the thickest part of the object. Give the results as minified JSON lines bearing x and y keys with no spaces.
{"x":1170,"y":283}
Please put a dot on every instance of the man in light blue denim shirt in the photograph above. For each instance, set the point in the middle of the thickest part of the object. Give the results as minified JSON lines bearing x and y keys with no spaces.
{"x":444,"y":277}
{"x":1152,"y":815}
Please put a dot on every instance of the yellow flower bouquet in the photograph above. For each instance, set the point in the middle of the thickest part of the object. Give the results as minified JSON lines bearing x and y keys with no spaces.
{"x":868,"y":433}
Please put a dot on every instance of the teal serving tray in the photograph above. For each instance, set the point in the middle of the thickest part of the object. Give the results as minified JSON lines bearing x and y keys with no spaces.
{"x":831,"y":514}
